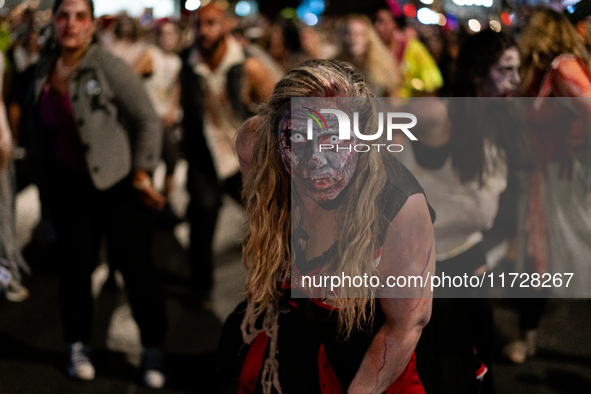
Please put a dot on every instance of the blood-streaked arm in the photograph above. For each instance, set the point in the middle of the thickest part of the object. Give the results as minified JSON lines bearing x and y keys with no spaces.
{"x":245,"y":140}
{"x":570,"y":80}
{"x":409,"y":250}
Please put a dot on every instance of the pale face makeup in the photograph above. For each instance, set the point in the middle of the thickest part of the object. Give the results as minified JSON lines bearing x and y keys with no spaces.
{"x":74,"y":24}
{"x":356,"y":39}
{"x":322,"y":174}
{"x":503,"y":77}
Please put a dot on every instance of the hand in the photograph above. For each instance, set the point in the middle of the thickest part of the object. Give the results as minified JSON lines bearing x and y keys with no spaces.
{"x":169,"y":120}
{"x":150,"y":197}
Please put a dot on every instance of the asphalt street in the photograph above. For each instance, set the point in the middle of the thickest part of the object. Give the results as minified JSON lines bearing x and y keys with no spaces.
{"x":33,"y":354}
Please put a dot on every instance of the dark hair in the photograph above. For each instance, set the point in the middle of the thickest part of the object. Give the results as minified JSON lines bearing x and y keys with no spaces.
{"x":373,"y":10}
{"x":291,"y":34}
{"x":51,"y":47}
{"x":134,"y":35}
{"x":477,"y":55}
{"x":58,"y":4}
{"x":473,"y":122}
{"x":578,"y":12}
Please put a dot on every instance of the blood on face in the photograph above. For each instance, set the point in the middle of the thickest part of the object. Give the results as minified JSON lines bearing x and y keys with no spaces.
{"x":322,"y":174}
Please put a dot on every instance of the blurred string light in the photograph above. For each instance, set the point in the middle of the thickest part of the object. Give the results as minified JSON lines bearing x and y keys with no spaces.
{"x":429,"y":17}
{"x":427,"y":1}
{"x":495,"y":25}
{"x":309,"y":11}
{"x":242,"y":8}
{"x":474,"y":25}
{"x":192,"y":5}
{"x":288,"y":13}
{"x":1,"y":3}
{"x":310,"y":19}
{"x":506,"y":18}
{"x":484,"y":3}
{"x":245,"y":8}
{"x":409,"y":10}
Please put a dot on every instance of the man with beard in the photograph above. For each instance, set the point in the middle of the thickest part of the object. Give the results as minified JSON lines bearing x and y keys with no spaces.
{"x":220,"y":85}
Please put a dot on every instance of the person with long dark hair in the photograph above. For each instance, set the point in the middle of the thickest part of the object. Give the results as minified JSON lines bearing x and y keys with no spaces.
{"x":96,"y":138}
{"x":461,"y":161}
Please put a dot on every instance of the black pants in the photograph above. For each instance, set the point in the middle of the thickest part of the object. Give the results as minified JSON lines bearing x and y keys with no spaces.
{"x":206,"y":200}
{"x":170,"y":148}
{"x":446,"y":362}
{"x":82,"y":216}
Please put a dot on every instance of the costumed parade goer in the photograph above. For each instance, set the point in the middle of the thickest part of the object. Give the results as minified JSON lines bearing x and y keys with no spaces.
{"x":318,"y":212}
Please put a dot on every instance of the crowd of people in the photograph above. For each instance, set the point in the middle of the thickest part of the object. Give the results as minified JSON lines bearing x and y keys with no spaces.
{"x":92,"y":105}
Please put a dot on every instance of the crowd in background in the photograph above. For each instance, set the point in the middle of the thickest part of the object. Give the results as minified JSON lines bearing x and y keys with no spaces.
{"x":186,"y":85}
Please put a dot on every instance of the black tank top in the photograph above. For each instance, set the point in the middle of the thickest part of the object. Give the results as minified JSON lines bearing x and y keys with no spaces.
{"x":309,"y":325}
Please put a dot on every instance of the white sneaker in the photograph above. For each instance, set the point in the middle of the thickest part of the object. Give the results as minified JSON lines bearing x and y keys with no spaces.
{"x":153,"y":365}
{"x":154,"y":379}
{"x":80,"y":366}
{"x":516,"y":351}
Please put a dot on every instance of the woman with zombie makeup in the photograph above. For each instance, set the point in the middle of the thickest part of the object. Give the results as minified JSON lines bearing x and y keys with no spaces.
{"x":554,"y":210}
{"x":461,"y":160}
{"x":313,"y":212}
{"x":96,"y":137}
{"x":362,"y":47}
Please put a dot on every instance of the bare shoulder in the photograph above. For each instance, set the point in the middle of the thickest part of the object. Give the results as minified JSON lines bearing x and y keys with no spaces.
{"x":571,"y":78}
{"x":409,"y":252}
{"x":409,"y":245}
{"x":260,"y":79}
{"x":413,"y":219}
{"x":253,"y":67}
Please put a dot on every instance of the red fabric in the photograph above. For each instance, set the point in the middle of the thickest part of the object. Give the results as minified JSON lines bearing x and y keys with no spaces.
{"x":552,"y":141}
{"x":548,"y":134}
{"x":535,"y":226}
{"x":408,"y":382}
{"x":253,"y":364}
{"x":329,"y":384}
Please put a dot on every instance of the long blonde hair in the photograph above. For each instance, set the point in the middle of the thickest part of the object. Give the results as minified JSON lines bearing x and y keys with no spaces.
{"x":548,"y":34}
{"x":267,"y":195}
{"x":378,"y":64}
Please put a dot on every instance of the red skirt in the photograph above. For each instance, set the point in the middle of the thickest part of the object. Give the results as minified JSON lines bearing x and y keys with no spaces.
{"x":408,"y":382}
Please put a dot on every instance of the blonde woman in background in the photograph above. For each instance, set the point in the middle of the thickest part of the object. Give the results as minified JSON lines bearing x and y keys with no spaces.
{"x":362,"y":47}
